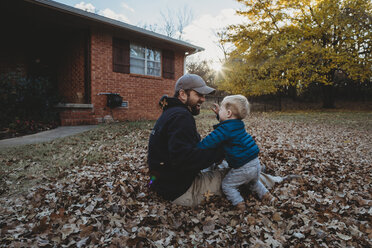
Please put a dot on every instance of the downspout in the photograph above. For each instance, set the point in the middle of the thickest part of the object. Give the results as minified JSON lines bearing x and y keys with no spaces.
{"x":87,"y":67}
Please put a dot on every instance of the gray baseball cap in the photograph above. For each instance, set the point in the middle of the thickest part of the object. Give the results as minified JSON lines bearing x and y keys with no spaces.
{"x":193,"y":82}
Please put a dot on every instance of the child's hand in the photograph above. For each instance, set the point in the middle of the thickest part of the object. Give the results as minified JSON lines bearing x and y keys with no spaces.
{"x":216,"y":108}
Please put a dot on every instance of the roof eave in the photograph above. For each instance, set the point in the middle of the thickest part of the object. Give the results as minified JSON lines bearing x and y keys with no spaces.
{"x":192,"y":49}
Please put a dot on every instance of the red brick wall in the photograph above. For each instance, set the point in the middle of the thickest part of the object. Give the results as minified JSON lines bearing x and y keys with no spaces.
{"x":142,"y":92}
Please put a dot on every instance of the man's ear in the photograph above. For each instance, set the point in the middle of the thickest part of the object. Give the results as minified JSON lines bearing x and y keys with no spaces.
{"x":182,"y":96}
{"x":229,"y":113}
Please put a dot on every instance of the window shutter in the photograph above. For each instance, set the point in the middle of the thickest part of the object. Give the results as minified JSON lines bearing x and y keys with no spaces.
{"x":168,"y":64}
{"x":120,"y":55}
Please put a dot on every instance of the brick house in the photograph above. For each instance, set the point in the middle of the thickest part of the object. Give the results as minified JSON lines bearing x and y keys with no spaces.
{"x":90,"y":56}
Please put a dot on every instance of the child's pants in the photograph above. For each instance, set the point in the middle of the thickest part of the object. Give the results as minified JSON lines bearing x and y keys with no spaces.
{"x":247,"y":174}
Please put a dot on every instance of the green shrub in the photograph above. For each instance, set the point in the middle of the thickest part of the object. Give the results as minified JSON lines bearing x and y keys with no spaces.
{"x":25,"y":101}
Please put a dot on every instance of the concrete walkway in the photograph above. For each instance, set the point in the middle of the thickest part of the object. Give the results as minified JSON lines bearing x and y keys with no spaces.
{"x":45,"y":136}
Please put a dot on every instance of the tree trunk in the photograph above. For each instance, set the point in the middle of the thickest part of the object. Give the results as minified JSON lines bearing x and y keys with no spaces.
{"x":292,"y":92}
{"x":328,"y":97}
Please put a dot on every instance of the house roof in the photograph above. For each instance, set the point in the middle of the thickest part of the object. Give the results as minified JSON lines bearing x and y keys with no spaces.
{"x":95,"y":18}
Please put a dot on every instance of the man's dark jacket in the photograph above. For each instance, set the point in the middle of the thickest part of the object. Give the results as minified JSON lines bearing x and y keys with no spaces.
{"x":173,"y":157}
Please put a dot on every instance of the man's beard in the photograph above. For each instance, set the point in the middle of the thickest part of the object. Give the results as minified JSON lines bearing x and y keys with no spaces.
{"x":193,"y":109}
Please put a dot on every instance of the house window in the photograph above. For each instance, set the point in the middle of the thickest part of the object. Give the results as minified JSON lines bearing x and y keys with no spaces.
{"x":137,"y":59}
{"x":145,"y":60}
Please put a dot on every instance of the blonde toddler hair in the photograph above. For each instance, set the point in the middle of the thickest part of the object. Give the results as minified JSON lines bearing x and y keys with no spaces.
{"x":237,"y":104}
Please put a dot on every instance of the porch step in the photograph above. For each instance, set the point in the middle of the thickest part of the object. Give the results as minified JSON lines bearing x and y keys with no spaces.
{"x":75,"y":117}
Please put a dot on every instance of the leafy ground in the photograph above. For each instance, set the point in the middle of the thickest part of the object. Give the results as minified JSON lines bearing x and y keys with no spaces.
{"x":21,"y":128}
{"x":91,"y":189}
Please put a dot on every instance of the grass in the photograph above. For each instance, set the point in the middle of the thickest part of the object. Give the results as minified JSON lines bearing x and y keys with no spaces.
{"x":25,"y":166}
{"x":352,"y":119}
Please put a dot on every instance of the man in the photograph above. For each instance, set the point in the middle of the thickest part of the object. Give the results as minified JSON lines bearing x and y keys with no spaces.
{"x":174,"y":160}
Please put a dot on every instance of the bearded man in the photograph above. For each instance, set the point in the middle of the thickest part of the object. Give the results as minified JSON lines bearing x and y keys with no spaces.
{"x":175,"y":162}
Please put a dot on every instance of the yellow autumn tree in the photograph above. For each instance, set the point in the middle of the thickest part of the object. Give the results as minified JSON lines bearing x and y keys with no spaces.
{"x":298,"y":42}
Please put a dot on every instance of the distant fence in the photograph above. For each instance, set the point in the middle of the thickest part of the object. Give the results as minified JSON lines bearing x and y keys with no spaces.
{"x":262,"y":106}
{"x":287,"y":104}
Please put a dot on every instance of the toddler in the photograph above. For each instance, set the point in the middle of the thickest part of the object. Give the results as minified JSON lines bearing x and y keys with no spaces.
{"x":241,"y":151}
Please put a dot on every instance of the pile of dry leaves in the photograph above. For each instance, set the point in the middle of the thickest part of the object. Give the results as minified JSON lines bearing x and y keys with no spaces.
{"x":108,"y":203}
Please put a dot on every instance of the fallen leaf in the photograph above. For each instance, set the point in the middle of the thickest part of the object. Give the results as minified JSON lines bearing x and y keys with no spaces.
{"x":208,"y":226}
{"x":276,"y":217}
{"x":298,"y":235}
{"x":343,"y":237}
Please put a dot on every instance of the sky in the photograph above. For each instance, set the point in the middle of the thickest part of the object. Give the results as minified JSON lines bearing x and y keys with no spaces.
{"x":209,"y":16}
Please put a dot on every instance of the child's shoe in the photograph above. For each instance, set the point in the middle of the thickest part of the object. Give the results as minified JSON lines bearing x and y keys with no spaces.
{"x":241,"y":206}
{"x":268,"y":199}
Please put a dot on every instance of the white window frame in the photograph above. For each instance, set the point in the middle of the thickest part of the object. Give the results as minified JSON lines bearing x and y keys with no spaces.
{"x":145,"y":59}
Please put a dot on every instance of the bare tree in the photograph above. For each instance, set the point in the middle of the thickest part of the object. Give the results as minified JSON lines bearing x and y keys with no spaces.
{"x":151,"y":27}
{"x":174,"y":22}
{"x":185,"y":17}
{"x":202,"y":68}
{"x":223,"y":43}
{"x":168,"y":24}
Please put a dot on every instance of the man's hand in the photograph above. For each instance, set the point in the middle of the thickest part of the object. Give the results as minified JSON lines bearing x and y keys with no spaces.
{"x":216,"y":108}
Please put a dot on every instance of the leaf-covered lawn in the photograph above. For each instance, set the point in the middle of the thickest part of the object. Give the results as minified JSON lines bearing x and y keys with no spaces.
{"x":91,"y":189}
